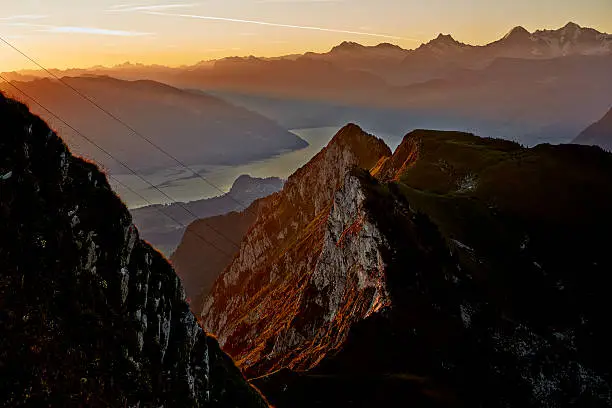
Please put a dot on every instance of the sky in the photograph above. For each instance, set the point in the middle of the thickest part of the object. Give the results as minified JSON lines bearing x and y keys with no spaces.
{"x":77,"y":33}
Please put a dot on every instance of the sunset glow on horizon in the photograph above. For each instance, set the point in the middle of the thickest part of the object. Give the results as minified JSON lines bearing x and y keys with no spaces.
{"x":66,"y":33}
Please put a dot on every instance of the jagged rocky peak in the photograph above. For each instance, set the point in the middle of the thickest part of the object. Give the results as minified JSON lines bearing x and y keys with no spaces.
{"x":315,"y":182}
{"x":443,"y":43}
{"x":446,"y":39}
{"x":571,"y":26}
{"x":517,"y":33}
{"x":348,"y":46}
{"x":261,"y":308}
{"x":91,"y":315}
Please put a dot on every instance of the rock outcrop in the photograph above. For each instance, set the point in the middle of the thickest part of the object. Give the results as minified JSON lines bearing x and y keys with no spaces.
{"x":273,"y":306}
{"x":90,"y":315}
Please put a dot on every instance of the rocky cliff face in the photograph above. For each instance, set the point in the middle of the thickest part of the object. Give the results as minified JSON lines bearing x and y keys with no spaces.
{"x":266,"y":306}
{"x":90,"y":315}
{"x":437,"y":283}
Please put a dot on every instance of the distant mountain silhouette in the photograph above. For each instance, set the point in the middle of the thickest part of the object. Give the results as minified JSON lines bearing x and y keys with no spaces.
{"x":165,"y":234}
{"x":599,"y":133}
{"x":523,"y":86}
{"x":194,"y":128}
{"x":392,"y":63}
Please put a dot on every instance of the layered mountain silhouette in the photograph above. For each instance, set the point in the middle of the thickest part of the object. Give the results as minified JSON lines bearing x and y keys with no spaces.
{"x":524,"y":86}
{"x":420,"y":276}
{"x":162,"y":225}
{"x":90,"y":314}
{"x":394,"y":64}
{"x":599,"y":133}
{"x":194,"y":128}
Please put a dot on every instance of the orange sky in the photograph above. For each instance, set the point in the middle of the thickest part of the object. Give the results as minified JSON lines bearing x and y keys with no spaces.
{"x":75,"y":33}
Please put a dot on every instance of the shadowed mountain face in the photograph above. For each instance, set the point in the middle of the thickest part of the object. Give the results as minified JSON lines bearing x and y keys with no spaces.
{"x":598,"y":134}
{"x":455,"y":262}
{"x":194,"y":128}
{"x":91,"y":315}
{"x":158,"y":224}
{"x":200,"y":263}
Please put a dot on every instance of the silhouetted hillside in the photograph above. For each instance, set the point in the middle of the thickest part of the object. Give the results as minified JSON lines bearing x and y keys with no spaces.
{"x":598,"y":134}
{"x":90,"y":315}
{"x":196,"y":129}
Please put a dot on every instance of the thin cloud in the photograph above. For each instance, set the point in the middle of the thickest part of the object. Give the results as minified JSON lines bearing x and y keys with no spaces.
{"x":23,"y":17}
{"x":46,"y":28}
{"x":94,"y":31}
{"x":300,"y":1}
{"x":264,"y":23}
{"x":122,"y":8}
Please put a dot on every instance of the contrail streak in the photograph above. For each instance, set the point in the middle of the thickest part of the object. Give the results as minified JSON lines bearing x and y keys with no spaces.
{"x":264,"y":23}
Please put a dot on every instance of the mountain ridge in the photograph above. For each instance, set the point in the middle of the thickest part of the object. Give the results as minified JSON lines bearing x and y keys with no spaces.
{"x":287,"y":233}
{"x":427,"y":274}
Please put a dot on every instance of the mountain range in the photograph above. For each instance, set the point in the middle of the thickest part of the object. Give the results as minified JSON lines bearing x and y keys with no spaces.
{"x":442,"y":52}
{"x":531,"y":87}
{"x":417,"y":276}
{"x":194,"y":128}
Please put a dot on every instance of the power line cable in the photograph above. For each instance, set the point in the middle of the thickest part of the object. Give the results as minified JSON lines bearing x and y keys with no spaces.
{"x":130,"y":128}
{"x":130,"y":170}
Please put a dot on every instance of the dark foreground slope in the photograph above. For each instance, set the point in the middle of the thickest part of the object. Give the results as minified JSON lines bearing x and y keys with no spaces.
{"x":90,"y":315}
{"x":467,"y":272}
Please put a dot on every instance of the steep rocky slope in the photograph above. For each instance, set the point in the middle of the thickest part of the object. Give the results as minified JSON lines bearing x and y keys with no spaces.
{"x":90,"y":315}
{"x":466,"y":272}
{"x":598,"y":134}
{"x":256,"y":307}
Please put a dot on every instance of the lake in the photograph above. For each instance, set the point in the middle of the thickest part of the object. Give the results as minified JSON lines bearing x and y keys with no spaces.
{"x":182,"y":185}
